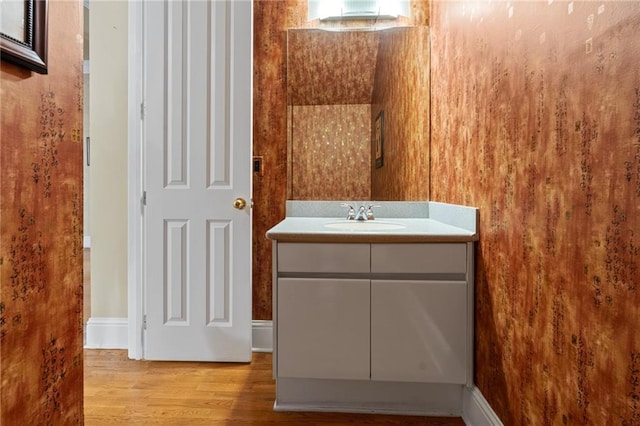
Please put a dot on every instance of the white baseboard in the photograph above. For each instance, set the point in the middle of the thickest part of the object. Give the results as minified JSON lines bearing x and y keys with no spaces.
{"x":262,"y":336}
{"x":86,"y":241}
{"x":476,"y":411}
{"x":107,"y":333}
{"x":112,"y":333}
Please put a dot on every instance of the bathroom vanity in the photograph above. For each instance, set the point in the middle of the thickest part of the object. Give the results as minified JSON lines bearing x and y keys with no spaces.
{"x":374,"y":316}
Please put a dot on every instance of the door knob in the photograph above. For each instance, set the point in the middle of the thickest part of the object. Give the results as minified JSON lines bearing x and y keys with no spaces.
{"x":239,"y":203}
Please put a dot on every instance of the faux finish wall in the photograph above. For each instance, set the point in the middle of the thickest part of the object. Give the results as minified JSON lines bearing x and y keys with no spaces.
{"x":330,"y":77}
{"x":271,"y":21}
{"x":330,"y":151}
{"x":330,"y":67}
{"x":41,"y":368}
{"x":401,"y":90}
{"x":536,"y":121}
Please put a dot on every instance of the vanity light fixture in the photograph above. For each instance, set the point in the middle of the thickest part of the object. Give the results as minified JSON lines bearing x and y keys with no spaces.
{"x":342,"y":10}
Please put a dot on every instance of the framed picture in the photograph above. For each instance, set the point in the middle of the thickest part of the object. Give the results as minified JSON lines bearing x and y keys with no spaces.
{"x":23,"y":33}
{"x":379,"y":139}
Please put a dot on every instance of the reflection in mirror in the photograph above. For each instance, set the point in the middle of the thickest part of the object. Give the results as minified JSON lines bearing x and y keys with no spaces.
{"x":338,"y":83}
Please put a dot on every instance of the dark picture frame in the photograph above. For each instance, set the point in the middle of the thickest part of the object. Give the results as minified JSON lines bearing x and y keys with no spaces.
{"x":26,"y":46}
{"x":378,"y":131}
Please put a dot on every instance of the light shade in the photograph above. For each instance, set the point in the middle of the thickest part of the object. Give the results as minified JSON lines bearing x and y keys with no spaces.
{"x":358,"y":9}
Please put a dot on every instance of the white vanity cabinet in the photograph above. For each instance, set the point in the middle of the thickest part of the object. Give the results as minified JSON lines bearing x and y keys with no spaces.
{"x":418,"y":331}
{"x":323,"y":328}
{"x":323,"y":320}
{"x":419,"y":326}
{"x":373,"y":326}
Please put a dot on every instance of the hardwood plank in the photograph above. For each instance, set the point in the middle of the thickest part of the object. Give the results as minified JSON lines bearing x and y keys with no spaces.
{"x":119,"y":391}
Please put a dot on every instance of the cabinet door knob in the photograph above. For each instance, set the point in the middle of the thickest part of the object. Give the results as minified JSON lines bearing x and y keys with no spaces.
{"x":240,"y":203}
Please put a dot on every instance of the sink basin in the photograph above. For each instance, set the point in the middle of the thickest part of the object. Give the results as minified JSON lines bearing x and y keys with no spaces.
{"x":370,"y":225}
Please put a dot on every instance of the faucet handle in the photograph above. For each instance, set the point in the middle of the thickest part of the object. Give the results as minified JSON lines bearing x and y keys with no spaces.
{"x":351,"y":214}
{"x":370,"y":211}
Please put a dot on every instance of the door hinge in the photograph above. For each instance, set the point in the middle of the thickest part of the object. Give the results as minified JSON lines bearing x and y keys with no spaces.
{"x":142,"y":110}
{"x":144,"y":198}
{"x":144,"y":322}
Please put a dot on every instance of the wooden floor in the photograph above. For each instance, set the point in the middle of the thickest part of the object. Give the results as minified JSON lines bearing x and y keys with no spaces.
{"x":119,"y":391}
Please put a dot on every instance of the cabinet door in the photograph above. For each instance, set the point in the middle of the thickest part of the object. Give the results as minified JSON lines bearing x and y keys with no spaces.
{"x":418,"y":331}
{"x":323,"y":328}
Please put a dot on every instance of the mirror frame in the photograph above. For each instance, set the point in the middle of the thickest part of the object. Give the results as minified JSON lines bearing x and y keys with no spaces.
{"x":31,"y":52}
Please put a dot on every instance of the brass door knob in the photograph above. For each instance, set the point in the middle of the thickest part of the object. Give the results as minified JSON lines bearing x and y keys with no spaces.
{"x":240,"y":203}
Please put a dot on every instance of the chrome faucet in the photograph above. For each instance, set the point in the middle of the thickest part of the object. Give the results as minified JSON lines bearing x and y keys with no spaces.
{"x":351,"y":214}
{"x":364,"y":213}
{"x":370,"y":211}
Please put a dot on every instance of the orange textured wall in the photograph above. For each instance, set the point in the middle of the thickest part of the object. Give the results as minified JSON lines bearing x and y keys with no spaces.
{"x":330,"y":67}
{"x":41,"y":231}
{"x":272,"y":19}
{"x":331,"y":156}
{"x":270,"y":22}
{"x":536,"y":121}
{"x":401,"y":90}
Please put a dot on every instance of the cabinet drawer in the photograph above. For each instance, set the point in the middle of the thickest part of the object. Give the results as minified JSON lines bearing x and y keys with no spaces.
{"x":445,"y":258}
{"x":323,"y":258}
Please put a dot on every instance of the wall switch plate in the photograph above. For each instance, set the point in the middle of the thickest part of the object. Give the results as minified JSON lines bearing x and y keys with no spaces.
{"x":257,"y":165}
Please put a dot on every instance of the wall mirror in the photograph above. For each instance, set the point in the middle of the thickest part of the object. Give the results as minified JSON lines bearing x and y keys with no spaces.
{"x":358,"y":114}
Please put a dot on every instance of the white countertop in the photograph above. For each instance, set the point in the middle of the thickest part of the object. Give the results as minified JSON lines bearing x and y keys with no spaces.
{"x":411,"y":230}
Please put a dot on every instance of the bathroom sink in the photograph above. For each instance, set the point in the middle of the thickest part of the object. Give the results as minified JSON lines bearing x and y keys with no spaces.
{"x":370,"y":225}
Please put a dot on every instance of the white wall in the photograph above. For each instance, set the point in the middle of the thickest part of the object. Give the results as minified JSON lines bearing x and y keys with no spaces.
{"x":86,"y":178}
{"x":108,"y":171}
{"x":86,"y":222}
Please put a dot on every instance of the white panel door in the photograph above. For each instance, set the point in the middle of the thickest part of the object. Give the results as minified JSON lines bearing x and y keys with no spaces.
{"x":197,"y":133}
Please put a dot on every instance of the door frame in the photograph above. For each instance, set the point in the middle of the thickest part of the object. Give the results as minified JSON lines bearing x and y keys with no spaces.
{"x":135,"y":229}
